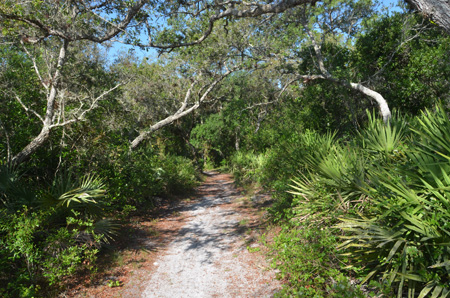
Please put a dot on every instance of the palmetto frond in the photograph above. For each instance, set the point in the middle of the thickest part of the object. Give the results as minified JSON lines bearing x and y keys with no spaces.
{"x":13,"y":193}
{"x":381,"y":137}
{"x":435,"y":132}
{"x":84,"y":195}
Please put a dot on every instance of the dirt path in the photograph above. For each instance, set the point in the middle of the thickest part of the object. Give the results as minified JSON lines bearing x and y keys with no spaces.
{"x":206,"y":246}
{"x":206,"y":257}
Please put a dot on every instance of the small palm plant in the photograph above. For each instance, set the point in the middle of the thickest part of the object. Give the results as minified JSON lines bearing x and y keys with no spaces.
{"x":382,"y":138}
{"x":404,"y":239}
{"x":84,"y":195}
{"x":82,"y":198}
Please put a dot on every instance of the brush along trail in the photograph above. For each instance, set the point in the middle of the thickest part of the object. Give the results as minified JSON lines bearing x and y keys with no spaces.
{"x":206,"y":246}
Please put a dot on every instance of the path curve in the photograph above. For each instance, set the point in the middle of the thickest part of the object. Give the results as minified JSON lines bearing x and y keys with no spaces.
{"x":208,"y":257}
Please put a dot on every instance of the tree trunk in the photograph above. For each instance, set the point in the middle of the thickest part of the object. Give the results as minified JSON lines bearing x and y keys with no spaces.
{"x":169,"y":120}
{"x":382,"y":104}
{"x":437,"y":10}
{"x":47,"y":122}
{"x":32,"y":146}
{"x":385,"y":112}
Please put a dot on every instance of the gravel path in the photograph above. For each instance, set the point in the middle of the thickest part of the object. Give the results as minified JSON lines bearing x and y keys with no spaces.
{"x":208,"y":258}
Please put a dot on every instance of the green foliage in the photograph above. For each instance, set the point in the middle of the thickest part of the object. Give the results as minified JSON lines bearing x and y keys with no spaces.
{"x":137,"y":178}
{"x":179,"y":174}
{"x":52,"y":236}
{"x":213,"y":138}
{"x":114,"y":283}
{"x":85,"y":196}
{"x":68,"y":251}
{"x":307,"y":259}
{"x":390,"y":190}
{"x":405,"y":233}
{"x":391,"y":195}
{"x":434,"y":131}
{"x":247,"y":167}
{"x":14,"y":191}
{"x":35,"y":253}
{"x":409,"y":58}
{"x":383,"y":138}
{"x":386,"y":190}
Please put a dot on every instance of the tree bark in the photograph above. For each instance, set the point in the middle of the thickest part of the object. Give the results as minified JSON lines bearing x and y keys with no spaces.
{"x":32,"y":146}
{"x":437,"y":10}
{"x":145,"y":134}
{"x":47,"y":121}
{"x":382,"y":104}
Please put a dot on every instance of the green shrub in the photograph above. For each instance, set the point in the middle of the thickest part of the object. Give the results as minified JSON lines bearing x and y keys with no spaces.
{"x":290,"y":157}
{"x":137,"y":178}
{"x":403,"y":238}
{"x":307,"y":259}
{"x":178,"y":174}
{"x":68,"y":251}
{"x":53,"y":236}
{"x":246,"y":167}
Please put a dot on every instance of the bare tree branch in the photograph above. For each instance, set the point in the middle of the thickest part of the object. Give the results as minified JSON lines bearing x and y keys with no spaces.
{"x":27,"y":109}
{"x":92,"y":106}
{"x":36,"y":69}
{"x":186,"y":98}
{"x":181,"y":112}
{"x":48,"y":119}
{"x":382,"y":104}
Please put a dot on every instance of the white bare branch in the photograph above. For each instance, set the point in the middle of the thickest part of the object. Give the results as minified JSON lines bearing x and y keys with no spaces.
{"x":27,"y":109}
{"x":92,"y":106}
{"x":181,"y":112}
{"x":382,"y":104}
{"x":36,"y":69}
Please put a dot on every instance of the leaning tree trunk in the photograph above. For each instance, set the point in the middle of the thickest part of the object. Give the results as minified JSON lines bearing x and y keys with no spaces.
{"x":382,"y":103}
{"x":385,"y":112}
{"x":47,"y":120}
{"x":437,"y":10}
{"x":182,"y":111}
{"x":35,"y":144}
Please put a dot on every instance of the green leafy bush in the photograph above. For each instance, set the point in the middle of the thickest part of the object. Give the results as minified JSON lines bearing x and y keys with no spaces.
{"x":68,"y":251}
{"x":404,"y":238}
{"x":137,"y":178}
{"x":246,"y":167}
{"x":307,"y":259}
{"x":53,"y":236}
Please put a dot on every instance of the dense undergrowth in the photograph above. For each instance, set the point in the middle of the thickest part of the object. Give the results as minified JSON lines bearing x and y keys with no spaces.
{"x":53,"y":230}
{"x":362,"y":214}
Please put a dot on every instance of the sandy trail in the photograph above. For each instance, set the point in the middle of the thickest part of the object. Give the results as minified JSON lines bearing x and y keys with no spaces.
{"x":208,"y":257}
